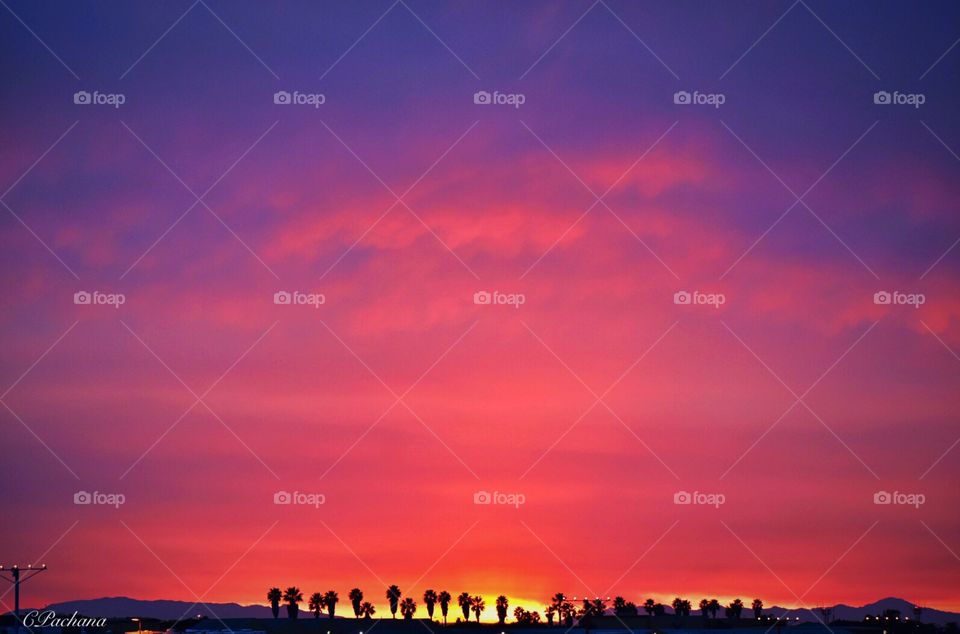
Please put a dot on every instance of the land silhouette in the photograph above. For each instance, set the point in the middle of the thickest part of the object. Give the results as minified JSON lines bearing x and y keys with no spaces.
{"x":566,"y":612}
{"x":282,"y":614}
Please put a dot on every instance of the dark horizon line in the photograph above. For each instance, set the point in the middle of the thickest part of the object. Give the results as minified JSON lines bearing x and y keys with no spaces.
{"x":644,"y":608}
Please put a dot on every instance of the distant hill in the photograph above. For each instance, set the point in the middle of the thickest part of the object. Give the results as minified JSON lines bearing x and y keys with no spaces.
{"x":117,"y":607}
{"x":843,"y":612}
{"x":120,"y":607}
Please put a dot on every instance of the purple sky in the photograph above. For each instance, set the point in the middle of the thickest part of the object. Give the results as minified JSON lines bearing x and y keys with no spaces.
{"x":398,"y":199}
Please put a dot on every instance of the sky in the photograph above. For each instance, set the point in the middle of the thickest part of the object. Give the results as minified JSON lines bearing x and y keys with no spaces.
{"x":587,"y":296}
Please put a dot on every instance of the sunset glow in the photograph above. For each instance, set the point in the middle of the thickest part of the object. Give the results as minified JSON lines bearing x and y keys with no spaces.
{"x":398,"y":298}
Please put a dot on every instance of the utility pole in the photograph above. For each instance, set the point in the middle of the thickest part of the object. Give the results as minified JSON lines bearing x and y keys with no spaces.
{"x":15,"y":578}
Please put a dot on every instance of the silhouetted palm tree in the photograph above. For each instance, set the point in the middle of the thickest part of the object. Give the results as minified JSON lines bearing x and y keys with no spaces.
{"x":704,"y":607}
{"x":737,"y":608}
{"x":356,"y":599}
{"x":579,"y":613}
{"x":463,"y":600}
{"x":330,"y":599}
{"x":429,"y":600}
{"x":757,"y":607}
{"x":550,"y":611}
{"x":502,"y":606}
{"x":407,"y":608}
{"x":587,"y":609}
{"x":478,"y":605}
{"x":677,"y":605}
{"x":367,"y":609}
{"x":568,"y":611}
{"x":393,"y":596}
{"x":714,"y":607}
{"x":293,"y":597}
{"x":622,"y":607}
{"x":444,"y":600}
{"x":316,"y":604}
{"x":685,"y":607}
{"x":648,"y":606}
{"x":274,"y":596}
{"x":556,"y":601}
{"x":520,"y":615}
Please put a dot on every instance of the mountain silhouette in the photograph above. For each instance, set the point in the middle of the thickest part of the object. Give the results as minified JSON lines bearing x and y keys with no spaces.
{"x":118,"y":607}
{"x":844,"y":612}
{"x":126,"y":607}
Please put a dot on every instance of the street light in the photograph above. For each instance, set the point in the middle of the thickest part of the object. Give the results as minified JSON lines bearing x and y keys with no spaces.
{"x":15,"y":578}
